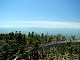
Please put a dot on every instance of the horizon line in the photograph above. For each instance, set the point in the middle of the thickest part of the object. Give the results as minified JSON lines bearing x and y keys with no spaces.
{"x":46,"y":24}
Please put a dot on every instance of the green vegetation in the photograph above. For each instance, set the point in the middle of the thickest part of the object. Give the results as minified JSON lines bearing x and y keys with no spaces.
{"x":35,"y":46}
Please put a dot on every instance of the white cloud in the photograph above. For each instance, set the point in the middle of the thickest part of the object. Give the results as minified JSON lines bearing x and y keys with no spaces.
{"x":47,"y":24}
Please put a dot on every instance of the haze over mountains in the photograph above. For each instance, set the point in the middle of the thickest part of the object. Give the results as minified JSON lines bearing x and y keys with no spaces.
{"x":39,"y":30}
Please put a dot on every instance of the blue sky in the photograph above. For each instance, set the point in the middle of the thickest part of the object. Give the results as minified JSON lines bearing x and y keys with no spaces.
{"x":39,"y":10}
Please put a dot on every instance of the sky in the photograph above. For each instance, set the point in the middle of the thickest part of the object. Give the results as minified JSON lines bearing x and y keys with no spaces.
{"x":40,"y":13}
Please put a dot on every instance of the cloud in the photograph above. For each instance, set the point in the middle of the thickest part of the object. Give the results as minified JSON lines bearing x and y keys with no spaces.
{"x":46,"y":24}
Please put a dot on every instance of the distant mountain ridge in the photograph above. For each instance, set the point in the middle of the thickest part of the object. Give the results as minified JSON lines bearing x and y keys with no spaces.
{"x":50,"y":31}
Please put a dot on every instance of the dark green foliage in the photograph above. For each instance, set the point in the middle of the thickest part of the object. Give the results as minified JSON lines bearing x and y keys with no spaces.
{"x":28,"y":47}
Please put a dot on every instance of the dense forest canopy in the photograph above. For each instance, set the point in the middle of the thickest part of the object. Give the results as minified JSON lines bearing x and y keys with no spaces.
{"x":16,"y":45}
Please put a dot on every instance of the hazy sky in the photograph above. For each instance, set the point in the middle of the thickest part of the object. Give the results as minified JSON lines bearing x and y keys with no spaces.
{"x":43,"y":11}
